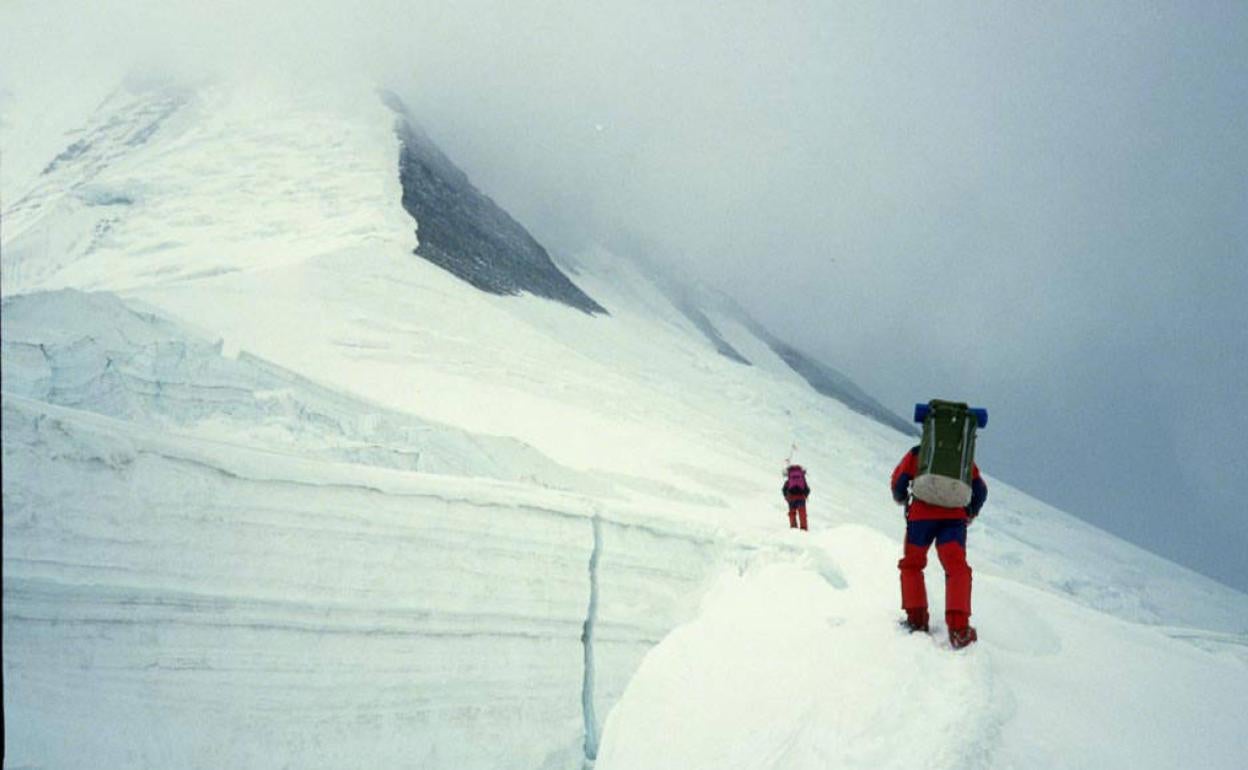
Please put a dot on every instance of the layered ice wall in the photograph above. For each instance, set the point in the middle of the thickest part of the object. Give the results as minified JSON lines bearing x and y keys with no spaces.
{"x":212,"y":561}
{"x":181,"y":603}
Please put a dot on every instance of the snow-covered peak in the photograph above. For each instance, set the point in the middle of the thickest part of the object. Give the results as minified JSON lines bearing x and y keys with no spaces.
{"x":165,"y":181}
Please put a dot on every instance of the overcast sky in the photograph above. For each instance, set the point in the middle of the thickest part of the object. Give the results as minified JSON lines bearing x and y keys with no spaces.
{"x":1040,"y":208}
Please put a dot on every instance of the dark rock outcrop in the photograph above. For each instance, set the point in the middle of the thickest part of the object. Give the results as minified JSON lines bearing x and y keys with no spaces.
{"x":704,"y":325}
{"x":464,"y":232}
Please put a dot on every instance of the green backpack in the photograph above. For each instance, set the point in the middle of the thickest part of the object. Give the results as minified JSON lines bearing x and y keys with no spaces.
{"x":946,"y":452}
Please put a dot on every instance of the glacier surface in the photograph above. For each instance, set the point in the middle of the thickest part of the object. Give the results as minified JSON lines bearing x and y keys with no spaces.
{"x":279,"y":493}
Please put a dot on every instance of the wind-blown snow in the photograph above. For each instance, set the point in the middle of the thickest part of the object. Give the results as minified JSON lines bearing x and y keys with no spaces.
{"x":286,"y":494}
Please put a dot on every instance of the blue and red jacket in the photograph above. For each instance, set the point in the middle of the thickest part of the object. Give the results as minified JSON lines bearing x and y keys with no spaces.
{"x":920,"y":510}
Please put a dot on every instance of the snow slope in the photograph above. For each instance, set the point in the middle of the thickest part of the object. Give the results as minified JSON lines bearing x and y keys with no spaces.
{"x":793,"y":664}
{"x":280,"y":492}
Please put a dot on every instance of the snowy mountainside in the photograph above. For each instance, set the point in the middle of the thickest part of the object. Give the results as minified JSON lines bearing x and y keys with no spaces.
{"x":283,"y":492}
{"x":714,"y":314}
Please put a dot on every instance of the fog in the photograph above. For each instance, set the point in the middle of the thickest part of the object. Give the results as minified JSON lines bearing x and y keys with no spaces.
{"x":1042,"y":210}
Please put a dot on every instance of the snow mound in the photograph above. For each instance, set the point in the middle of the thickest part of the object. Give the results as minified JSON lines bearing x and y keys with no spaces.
{"x":792,"y":666}
{"x":800,"y":663}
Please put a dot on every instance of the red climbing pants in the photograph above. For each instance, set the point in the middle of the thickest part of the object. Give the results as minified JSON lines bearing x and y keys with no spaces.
{"x":797,"y":512}
{"x":950,"y":538}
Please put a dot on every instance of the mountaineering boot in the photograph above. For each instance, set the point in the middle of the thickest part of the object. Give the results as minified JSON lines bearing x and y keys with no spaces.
{"x":961,"y":637}
{"x":961,"y":632}
{"x":916,"y":620}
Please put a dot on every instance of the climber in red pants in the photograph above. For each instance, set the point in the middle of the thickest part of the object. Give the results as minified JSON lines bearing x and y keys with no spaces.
{"x":926,"y":524}
{"x":795,"y":491}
